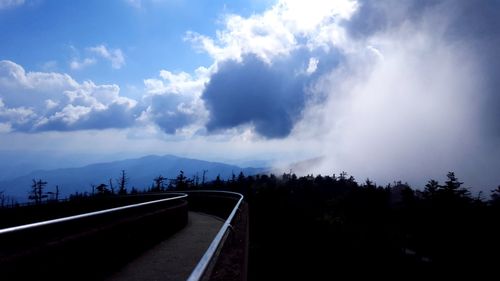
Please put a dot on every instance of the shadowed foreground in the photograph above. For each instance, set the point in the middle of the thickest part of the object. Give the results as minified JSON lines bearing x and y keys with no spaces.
{"x":176,"y":257}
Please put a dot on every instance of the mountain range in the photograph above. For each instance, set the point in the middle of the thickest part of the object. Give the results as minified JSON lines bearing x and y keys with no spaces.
{"x":139,"y":171}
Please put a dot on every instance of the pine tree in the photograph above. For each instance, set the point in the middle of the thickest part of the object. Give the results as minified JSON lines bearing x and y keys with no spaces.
{"x":431,"y":188}
{"x":452,"y":187}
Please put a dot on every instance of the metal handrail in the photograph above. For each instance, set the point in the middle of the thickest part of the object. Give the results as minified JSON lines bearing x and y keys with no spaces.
{"x":85,"y":215}
{"x":205,"y":260}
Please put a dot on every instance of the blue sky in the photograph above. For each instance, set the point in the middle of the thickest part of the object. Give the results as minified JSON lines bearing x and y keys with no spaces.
{"x":49,"y":35}
{"x":391,"y":90}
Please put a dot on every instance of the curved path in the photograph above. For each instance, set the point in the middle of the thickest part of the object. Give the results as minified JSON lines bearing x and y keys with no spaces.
{"x":176,"y":257}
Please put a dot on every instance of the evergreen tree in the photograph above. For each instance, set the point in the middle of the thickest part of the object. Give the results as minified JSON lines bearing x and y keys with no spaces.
{"x":452,"y":187}
{"x":102,"y":189}
{"x":431,"y":189}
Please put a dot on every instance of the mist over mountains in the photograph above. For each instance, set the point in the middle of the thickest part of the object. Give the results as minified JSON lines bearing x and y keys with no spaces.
{"x":140,"y":171}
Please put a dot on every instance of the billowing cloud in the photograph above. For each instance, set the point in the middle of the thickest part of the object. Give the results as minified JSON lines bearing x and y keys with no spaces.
{"x":383,"y":87}
{"x":276,"y":55}
{"x":266,"y":62}
{"x":288,"y":25}
{"x":174,"y":101}
{"x":114,"y":56}
{"x":417,"y":97}
{"x":40,"y":101}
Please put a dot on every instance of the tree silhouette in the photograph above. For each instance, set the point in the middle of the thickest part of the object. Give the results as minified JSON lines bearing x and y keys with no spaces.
{"x":431,"y":189}
{"x":334,"y":220}
{"x":452,"y":188}
{"x":36,"y":193}
{"x":122,"y":183}
{"x":369,"y":184}
{"x":134,"y":190}
{"x":3,"y":198}
{"x":342,"y":177}
{"x":196,"y":179}
{"x":241,"y":177}
{"x":54,"y":195}
{"x":495,"y":195}
{"x":203,"y":177}
{"x":102,"y":189}
{"x":159,"y":184}
{"x":217,"y":182}
{"x":182,"y":182}
{"x":112,"y":189}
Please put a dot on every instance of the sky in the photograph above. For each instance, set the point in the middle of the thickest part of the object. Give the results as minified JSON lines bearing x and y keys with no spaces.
{"x":387,"y":90}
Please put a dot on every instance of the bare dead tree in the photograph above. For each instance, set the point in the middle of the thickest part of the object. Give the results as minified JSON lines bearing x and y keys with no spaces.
{"x":36,"y":193}
{"x":203,"y":178}
{"x":122,"y":183}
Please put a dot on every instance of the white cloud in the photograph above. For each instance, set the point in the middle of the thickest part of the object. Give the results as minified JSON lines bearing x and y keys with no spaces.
{"x":34,"y":101}
{"x":277,"y":33}
{"x":4,"y":4}
{"x":76,"y":64}
{"x":21,"y":115}
{"x":403,"y":105}
{"x":50,"y":104}
{"x":389,"y":104}
{"x":115,"y":56}
{"x":288,"y":25}
{"x":174,"y":101}
{"x":93,"y":54}
{"x":14,"y":78}
{"x":312,"y":66}
{"x":39,"y":101}
{"x":69,"y":115}
{"x":5,"y":128}
{"x":397,"y":99}
{"x":178,"y":83}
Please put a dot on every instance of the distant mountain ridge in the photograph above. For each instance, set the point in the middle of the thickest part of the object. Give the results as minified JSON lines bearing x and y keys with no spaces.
{"x":140,"y":171}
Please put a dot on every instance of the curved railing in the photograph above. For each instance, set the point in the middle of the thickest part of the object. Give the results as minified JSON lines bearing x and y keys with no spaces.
{"x":211,"y":206}
{"x":101,"y":240}
{"x":209,"y":255}
{"x":87,"y":215}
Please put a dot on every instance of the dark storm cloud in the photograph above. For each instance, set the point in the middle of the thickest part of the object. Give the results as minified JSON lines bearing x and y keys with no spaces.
{"x":270,"y":97}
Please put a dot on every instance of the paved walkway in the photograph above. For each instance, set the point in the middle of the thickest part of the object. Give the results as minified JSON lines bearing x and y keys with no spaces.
{"x":174,"y":258}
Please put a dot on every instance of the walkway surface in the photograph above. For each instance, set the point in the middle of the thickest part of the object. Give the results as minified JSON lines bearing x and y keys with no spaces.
{"x":174,"y":258}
